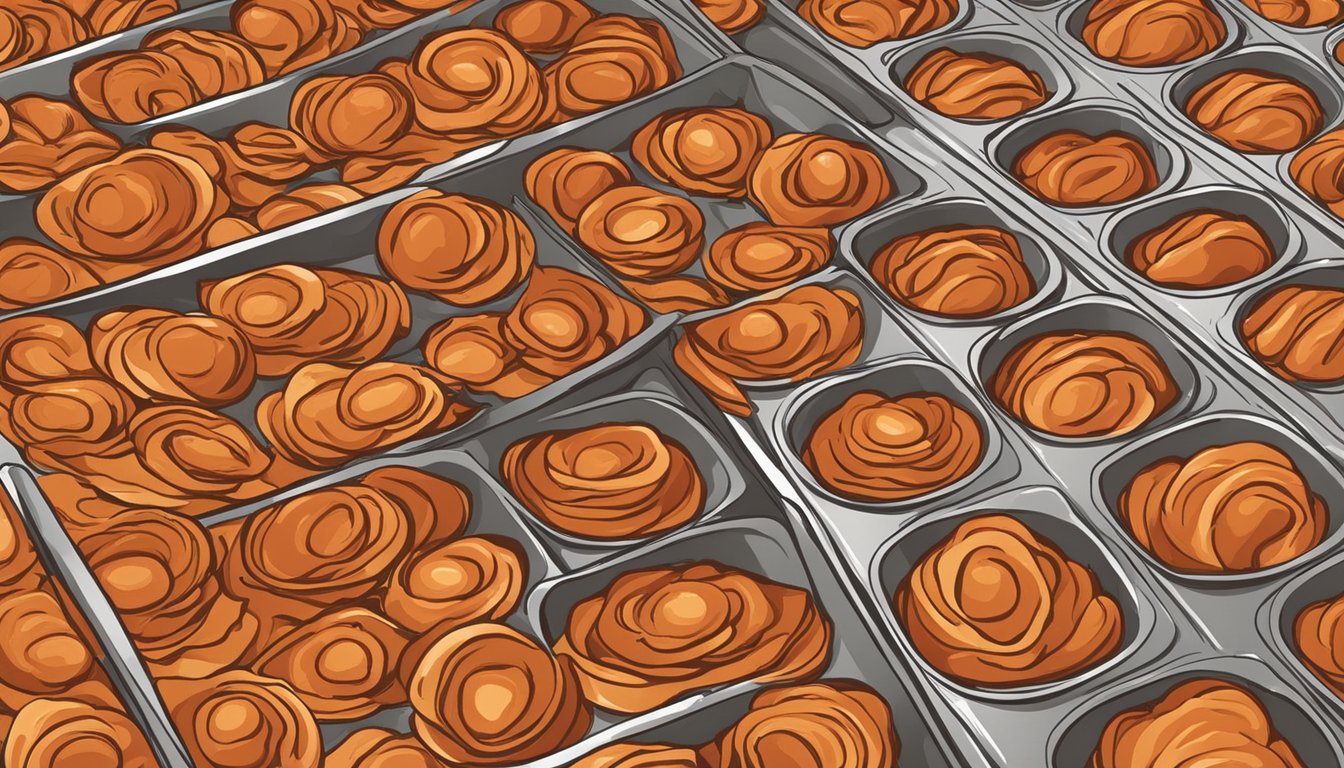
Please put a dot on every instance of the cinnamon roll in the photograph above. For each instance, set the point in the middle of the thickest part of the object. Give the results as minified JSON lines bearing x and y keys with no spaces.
{"x":31,"y":273}
{"x":242,"y":720}
{"x":293,"y":315}
{"x":438,"y":509}
{"x":658,"y":634}
{"x":683,"y":293}
{"x":43,"y":654}
{"x":1201,"y":249}
{"x":36,"y":28}
{"x":806,"y":332}
{"x":1298,"y":13}
{"x":344,"y":115}
{"x":614,"y":59}
{"x":380,"y":748}
{"x":1293,"y":331}
{"x":876,"y":448}
{"x":57,"y":421}
{"x":459,"y":582}
{"x":957,"y":271}
{"x":1084,"y":384}
{"x":703,"y":150}
{"x":37,"y":349}
{"x":995,"y":605}
{"x":543,"y":26}
{"x":1256,"y":112}
{"x":52,"y":732}
{"x":633,"y":755}
{"x":80,"y":507}
{"x":564,"y":321}
{"x":613,"y":481}
{"x":974,"y":86}
{"x":812,"y":180}
{"x":844,"y":723}
{"x":1317,"y":631}
{"x":472,"y":349}
{"x":259,"y":161}
{"x":291,"y":34}
{"x":1075,"y":170}
{"x":640,"y":232}
{"x":1318,"y":169}
{"x":487,"y":695}
{"x":864,"y":23}
{"x":106,"y":17}
{"x":564,"y":181}
{"x":1229,"y":508}
{"x":48,"y":140}
{"x":158,"y":354}
{"x":463,"y":250}
{"x":1152,"y":33}
{"x":327,"y":415}
{"x":304,"y":202}
{"x":477,"y":81}
{"x":19,"y":569}
{"x":1203,"y":720}
{"x":732,"y":16}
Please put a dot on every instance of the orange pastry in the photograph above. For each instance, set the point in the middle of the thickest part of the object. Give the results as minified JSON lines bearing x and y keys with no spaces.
{"x":438,"y":509}
{"x":640,"y":232}
{"x":404,"y":160}
{"x":343,"y":115}
{"x":229,"y":229}
{"x":56,"y":731}
{"x":259,"y":161}
{"x":1319,"y":170}
{"x":1256,"y":112}
{"x":1201,"y":249}
{"x":613,"y":481}
{"x":564,"y":181}
{"x":1233,"y":728}
{"x":1294,"y":331}
{"x":31,"y":273}
{"x":631,"y":755}
{"x":1317,"y":631}
{"x":683,"y":293}
{"x":20,"y":572}
{"x":242,"y":720}
{"x":304,"y":202}
{"x":56,"y":422}
{"x":655,"y":635}
{"x":462,"y":250}
{"x":876,"y":448}
{"x":1084,"y":384}
{"x":474,"y":350}
{"x":46,"y":141}
{"x":43,"y":655}
{"x":804,"y":333}
{"x":811,"y":180}
{"x":369,"y":15}
{"x":460,"y":582}
{"x":38,"y":349}
{"x":487,"y":695}
{"x":994,"y":605}
{"x":703,"y":150}
{"x":380,"y":748}
{"x":476,"y":81}
{"x":1227,"y":509}
{"x":291,"y":34}
{"x":844,"y":723}
{"x":957,"y":271}
{"x":733,"y":16}
{"x":613,"y":59}
{"x":1298,"y":13}
{"x":158,"y":354}
{"x":292,"y":315}
{"x":974,"y":86}
{"x":1076,"y":170}
{"x":106,"y":17}
{"x":1152,"y":33}
{"x":543,"y":26}
{"x":35,"y":28}
{"x":80,"y":507}
{"x":864,"y":23}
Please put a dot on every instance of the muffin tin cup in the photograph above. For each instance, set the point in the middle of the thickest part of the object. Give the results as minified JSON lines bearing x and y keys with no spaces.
{"x":1313,"y":738}
{"x":1277,"y":616}
{"x":1067,"y":22}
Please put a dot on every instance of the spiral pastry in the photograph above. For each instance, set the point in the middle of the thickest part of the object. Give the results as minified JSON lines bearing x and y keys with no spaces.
{"x":304,"y":202}
{"x":477,"y":81}
{"x":994,"y":605}
{"x":108,"y":16}
{"x":293,"y":315}
{"x":804,"y":333}
{"x":158,"y":354}
{"x":732,"y":16}
{"x":876,"y":448}
{"x":813,"y":180}
{"x":1318,"y":631}
{"x":957,"y":272}
{"x":478,"y":578}
{"x":463,"y":250}
{"x":684,"y":293}
{"x":655,"y":635}
{"x":55,"y":422}
{"x":1227,"y":509}
{"x":614,"y":59}
{"x":564,"y":321}
{"x":36,"y":349}
{"x":1294,"y":332}
{"x":864,"y":23}
{"x":843,"y":723}
{"x":487,"y":695}
{"x":80,"y":507}
{"x":1075,"y":170}
{"x":1298,"y":13}
{"x":438,"y":509}
{"x":344,"y":115}
{"x":380,"y":748}
{"x":1256,"y":112}
{"x":1201,"y":249}
{"x":342,"y":664}
{"x":291,"y":34}
{"x":640,"y":232}
{"x":472,"y":350}
{"x":325,"y":548}
{"x":703,"y":150}
{"x":565,"y":180}
{"x":328,"y":414}
{"x":36,"y":28}
{"x":974,"y":86}
{"x":641,"y":756}
{"x":613,"y":481}
{"x":46,"y":140}
{"x":143,"y":205}
{"x":1232,"y":727}
{"x":43,"y":655}
{"x":1319,"y":170}
{"x":543,"y":27}
{"x":19,"y":569}
{"x":259,"y":161}
{"x":1152,"y":33}
{"x":404,"y":160}
{"x":52,"y":732}
{"x":242,"y":720}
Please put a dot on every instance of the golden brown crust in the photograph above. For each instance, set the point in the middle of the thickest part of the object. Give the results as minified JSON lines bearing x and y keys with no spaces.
{"x":1294,"y":331}
{"x":108,"y":16}
{"x":1201,"y":249}
{"x":974,"y":86}
{"x":654,"y":635}
{"x":32,"y":273}
{"x":1256,"y":112}
{"x":56,"y":422}
{"x":291,"y":34}
{"x":1318,"y":169}
{"x":1073,"y":169}
{"x":459,"y":582}
{"x":864,"y":23}
{"x":640,"y":232}
{"x":43,"y":655}
{"x":229,"y":229}
{"x":995,"y":605}
{"x":733,"y":16}
{"x":19,"y":569}
{"x":958,"y":271}
{"x":876,"y":448}
{"x":343,"y":115}
{"x":1318,"y":632}
{"x":1229,"y":508}
{"x":703,"y":150}
{"x":476,"y":81}
{"x":614,"y":59}
{"x":304,"y":202}
{"x":565,"y":180}
{"x":1298,"y":13}
{"x":811,"y":180}
{"x":844,"y":723}
{"x":36,"y":349}
{"x":543,"y":26}
{"x":35,"y":28}
{"x":48,"y":733}
{"x":259,"y":161}
{"x":242,"y":720}
{"x":1152,"y":33}
{"x":47,"y":140}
